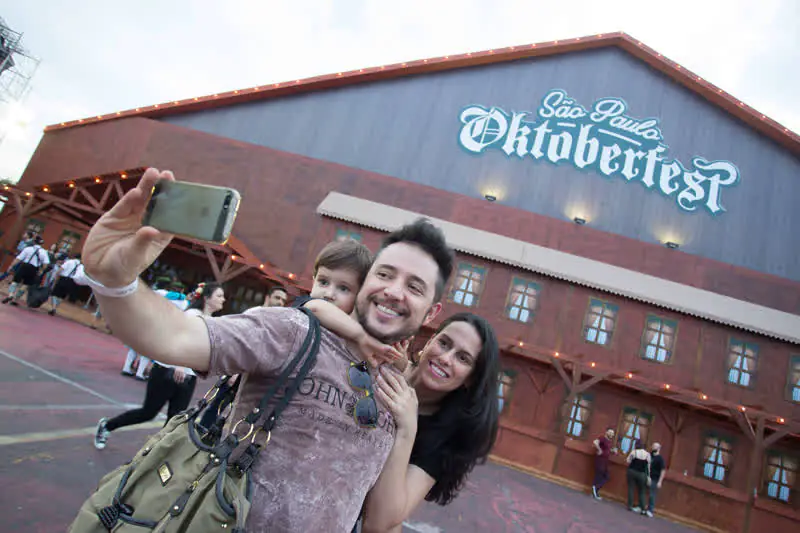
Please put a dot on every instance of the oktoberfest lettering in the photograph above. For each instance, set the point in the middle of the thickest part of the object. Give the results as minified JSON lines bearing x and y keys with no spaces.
{"x":604,"y":139}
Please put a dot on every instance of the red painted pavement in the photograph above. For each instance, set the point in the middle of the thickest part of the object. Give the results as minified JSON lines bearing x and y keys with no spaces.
{"x":45,"y":482}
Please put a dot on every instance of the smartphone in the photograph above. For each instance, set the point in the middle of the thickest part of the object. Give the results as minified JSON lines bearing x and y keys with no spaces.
{"x":202,"y":212}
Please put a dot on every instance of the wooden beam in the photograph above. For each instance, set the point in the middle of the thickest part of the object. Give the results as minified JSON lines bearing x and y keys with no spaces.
{"x":562,"y":373}
{"x":590,"y":382}
{"x":214,"y":266}
{"x":226,"y":265}
{"x":71,"y":203}
{"x":73,"y":194}
{"x":753,"y":472}
{"x":118,"y":188}
{"x":769,"y":441}
{"x":106,"y":194}
{"x":744,"y":424}
{"x":89,"y":198}
{"x":41,"y":207}
{"x":233,"y":272}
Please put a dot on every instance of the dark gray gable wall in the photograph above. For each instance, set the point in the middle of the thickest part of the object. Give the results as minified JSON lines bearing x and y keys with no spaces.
{"x":408,"y":128}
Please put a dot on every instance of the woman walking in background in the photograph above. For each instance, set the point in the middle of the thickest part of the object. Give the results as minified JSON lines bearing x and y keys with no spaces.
{"x":638,"y":475}
{"x":167,"y":383}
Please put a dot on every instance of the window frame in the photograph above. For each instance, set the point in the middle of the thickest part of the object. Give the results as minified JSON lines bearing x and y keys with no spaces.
{"x":343,"y":234}
{"x":766,"y":481}
{"x":531,"y":311}
{"x":619,"y":436}
{"x":585,"y":326}
{"x":68,"y":233}
{"x":585,"y":434}
{"x":753,"y":373}
{"x":701,"y":463}
{"x":39,"y":224}
{"x":476,"y":296}
{"x":508,"y":399}
{"x":644,"y":344}
{"x":794,"y":359}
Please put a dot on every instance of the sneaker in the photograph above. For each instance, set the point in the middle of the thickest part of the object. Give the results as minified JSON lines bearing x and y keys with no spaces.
{"x":649,"y":513}
{"x":129,"y":374}
{"x":595,"y":495}
{"x":636,"y":509}
{"x":52,"y":312}
{"x":7,"y":299}
{"x":101,"y":434}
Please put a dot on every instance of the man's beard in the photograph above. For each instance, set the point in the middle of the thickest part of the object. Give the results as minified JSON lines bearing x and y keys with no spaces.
{"x":391,"y":339}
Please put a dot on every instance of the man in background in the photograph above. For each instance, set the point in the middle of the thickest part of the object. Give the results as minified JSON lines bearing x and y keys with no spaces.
{"x":658,"y":469}
{"x":276,"y":297}
{"x":604,"y":448}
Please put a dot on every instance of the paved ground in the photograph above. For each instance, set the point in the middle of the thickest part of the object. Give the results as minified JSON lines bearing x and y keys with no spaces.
{"x":58,"y":377}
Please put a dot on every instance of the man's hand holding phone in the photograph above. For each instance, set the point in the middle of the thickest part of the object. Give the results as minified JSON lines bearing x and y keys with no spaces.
{"x":118,"y":248}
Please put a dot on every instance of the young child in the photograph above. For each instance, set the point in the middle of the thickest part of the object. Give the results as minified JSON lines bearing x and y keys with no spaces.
{"x":339,"y":270}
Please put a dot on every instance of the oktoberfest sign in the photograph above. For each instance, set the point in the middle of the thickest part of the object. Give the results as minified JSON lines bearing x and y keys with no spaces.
{"x":604,"y":139}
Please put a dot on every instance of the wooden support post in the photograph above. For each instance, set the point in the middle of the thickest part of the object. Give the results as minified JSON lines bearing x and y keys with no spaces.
{"x":89,"y":198}
{"x":233,"y":272}
{"x":214,"y":266}
{"x":106,"y":194}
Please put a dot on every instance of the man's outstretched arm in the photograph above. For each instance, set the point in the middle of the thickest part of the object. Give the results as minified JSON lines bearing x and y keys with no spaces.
{"x":117,"y":250}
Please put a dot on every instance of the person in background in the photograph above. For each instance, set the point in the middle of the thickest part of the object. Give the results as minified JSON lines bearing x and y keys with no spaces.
{"x":26,"y":269}
{"x":276,"y":297}
{"x":65,"y":281}
{"x":27,"y":240}
{"x":658,"y":469}
{"x":603,"y":448}
{"x":638,"y":475}
{"x":167,"y":383}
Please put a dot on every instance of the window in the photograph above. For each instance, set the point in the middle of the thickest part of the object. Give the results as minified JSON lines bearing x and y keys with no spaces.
{"x":579,"y":413}
{"x":600,"y":320}
{"x":505,"y":387}
{"x":468,"y":285}
{"x":716,"y":458}
{"x":659,"y":339}
{"x":67,"y":241}
{"x":522,"y":300}
{"x":742,"y":357}
{"x":793,"y":387}
{"x":344,"y":234}
{"x":635,"y":425}
{"x":780,"y":476}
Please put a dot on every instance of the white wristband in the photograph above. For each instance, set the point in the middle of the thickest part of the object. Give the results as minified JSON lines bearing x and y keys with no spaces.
{"x":111,"y":292}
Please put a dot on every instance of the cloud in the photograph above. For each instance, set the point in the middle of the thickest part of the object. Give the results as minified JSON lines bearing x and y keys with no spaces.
{"x":100,"y":57}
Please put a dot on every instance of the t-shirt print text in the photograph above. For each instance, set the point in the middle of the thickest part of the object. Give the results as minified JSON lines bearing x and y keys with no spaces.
{"x":326,"y":393}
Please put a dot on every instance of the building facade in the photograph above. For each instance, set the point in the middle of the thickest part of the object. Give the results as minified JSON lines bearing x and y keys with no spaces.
{"x":626,"y":226}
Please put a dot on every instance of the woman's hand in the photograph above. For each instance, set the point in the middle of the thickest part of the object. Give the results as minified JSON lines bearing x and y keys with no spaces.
{"x":178,"y":375}
{"x":118,"y":248}
{"x":400,"y":398}
{"x":375,"y":352}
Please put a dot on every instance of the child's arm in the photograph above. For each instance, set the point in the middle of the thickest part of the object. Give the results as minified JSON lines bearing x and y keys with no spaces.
{"x":339,"y":322}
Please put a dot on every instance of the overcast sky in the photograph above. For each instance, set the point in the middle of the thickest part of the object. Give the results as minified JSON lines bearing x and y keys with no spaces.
{"x":100,"y":56}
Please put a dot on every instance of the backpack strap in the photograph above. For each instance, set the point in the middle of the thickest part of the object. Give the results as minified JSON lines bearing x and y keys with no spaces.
{"x":310,"y":346}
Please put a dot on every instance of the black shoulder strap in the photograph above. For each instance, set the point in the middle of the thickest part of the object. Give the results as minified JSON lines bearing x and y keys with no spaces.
{"x":308,"y":350}
{"x":74,"y":269}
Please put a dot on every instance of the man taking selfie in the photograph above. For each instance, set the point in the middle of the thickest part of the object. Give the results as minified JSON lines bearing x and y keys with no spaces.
{"x":320,"y":463}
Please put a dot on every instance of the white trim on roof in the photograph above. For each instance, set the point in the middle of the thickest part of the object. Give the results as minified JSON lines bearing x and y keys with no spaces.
{"x":576,"y":269}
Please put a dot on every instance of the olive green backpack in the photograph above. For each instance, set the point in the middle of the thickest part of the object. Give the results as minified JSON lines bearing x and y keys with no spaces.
{"x":187,"y":480}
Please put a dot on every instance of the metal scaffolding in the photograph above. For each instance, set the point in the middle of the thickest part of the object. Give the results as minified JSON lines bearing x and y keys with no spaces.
{"x":17,"y":65}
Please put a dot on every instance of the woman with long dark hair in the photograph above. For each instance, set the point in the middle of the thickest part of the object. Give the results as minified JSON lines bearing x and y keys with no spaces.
{"x":167,"y":383}
{"x":447,"y":418}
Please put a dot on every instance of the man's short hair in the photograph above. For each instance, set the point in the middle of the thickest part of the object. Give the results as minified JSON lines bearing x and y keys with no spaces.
{"x":431,"y":240}
{"x":277,"y":288}
{"x":348,"y":254}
